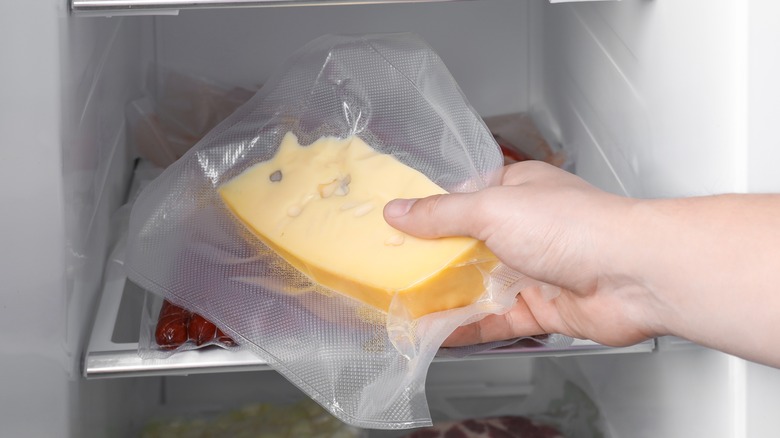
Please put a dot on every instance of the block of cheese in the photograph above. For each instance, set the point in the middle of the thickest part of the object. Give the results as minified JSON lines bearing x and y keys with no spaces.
{"x":320,"y":206}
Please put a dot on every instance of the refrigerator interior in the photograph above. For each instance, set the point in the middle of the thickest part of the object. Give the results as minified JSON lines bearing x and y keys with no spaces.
{"x":650,"y":97}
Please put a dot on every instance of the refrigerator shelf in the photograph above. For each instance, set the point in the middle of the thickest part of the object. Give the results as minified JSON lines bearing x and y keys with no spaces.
{"x":172,"y":7}
{"x":113,"y":345}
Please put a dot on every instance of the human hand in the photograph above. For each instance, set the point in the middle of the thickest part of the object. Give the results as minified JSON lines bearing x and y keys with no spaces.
{"x":555,"y":228}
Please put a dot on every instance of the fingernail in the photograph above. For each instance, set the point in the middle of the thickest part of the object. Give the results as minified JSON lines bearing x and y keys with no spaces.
{"x":399,"y":207}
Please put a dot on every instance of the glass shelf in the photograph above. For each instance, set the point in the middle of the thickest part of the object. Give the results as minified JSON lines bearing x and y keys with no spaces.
{"x":146,"y":7}
{"x":113,"y":345}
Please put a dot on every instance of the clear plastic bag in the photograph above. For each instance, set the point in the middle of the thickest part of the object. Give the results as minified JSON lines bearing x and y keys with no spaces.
{"x":556,"y":405}
{"x":365,"y":366}
{"x":520,"y":139}
{"x":165,"y":124}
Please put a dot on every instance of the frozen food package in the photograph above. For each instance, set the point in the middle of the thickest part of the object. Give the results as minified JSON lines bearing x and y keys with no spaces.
{"x":271,"y":226}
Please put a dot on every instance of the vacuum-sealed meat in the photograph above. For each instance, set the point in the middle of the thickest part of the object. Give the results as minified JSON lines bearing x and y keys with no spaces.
{"x":202,"y":331}
{"x":520,"y":139}
{"x":176,"y":326}
{"x":172,"y":326}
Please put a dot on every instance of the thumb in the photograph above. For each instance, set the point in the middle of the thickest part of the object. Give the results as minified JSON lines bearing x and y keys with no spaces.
{"x":454,"y":214}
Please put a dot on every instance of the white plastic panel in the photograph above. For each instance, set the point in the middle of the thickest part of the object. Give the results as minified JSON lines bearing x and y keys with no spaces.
{"x":680,"y":393}
{"x":654,"y":86}
{"x":660,"y":99}
{"x":64,"y":82}
{"x":35,"y":358}
{"x":102,"y":63}
{"x":762,"y":384}
{"x":763,"y":96}
{"x":483,"y":43}
{"x":761,"y":401}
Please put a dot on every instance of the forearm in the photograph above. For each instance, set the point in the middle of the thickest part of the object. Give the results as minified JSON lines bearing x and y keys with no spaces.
{"x":705,"y":269}
{"x":713,"y":265}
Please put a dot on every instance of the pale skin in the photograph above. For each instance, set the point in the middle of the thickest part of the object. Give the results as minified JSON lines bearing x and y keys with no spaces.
{"x":705,"y":269}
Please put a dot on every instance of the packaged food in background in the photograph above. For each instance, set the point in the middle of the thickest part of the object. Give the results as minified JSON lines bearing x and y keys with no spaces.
{"x":177,"y":326}
{"x":261,"y":420}
{"x":520,"y":139}
{"x":176,"y":112}
{"x":167,"y":328}
{"x":514,"y":426}
{"x":172,"y":326}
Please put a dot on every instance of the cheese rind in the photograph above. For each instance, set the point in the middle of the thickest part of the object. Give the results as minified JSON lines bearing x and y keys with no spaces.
{"x":320,"y":207}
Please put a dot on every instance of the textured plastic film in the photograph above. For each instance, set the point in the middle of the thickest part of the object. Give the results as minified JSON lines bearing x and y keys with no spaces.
{"x":365,"y":366}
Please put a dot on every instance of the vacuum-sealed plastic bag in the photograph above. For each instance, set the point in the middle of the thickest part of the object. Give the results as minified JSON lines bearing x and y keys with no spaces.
{"x":364,"y":361}
{"x":176,"y":112}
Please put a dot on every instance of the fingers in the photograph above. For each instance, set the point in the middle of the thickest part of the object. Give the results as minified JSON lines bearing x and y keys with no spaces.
{"x":467,"y":214}
{"x":457,"y":214}
{"x":535,"y":313}
{"x":526,"y":171}
{"x":519,"y":321}
{"x":538,"y":173}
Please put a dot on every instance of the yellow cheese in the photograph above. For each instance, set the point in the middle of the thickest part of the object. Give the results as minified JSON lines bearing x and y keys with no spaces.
{"x":320,"y":208}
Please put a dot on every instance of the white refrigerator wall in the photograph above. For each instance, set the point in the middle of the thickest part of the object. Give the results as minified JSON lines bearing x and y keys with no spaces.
{"x":763,"y":95}
{"x":660,"y":98}
{"x":648,"y":94}
{"x":101,"y":69}
{"x":485,"y":44}
{"x":65,"y":167}
{"x":762,"y":384}
{"x":653,"y":97}
{"x":36,"y":369}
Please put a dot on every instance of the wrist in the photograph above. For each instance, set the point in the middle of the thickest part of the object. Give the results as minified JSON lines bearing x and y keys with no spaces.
{"x":631,"y":264}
